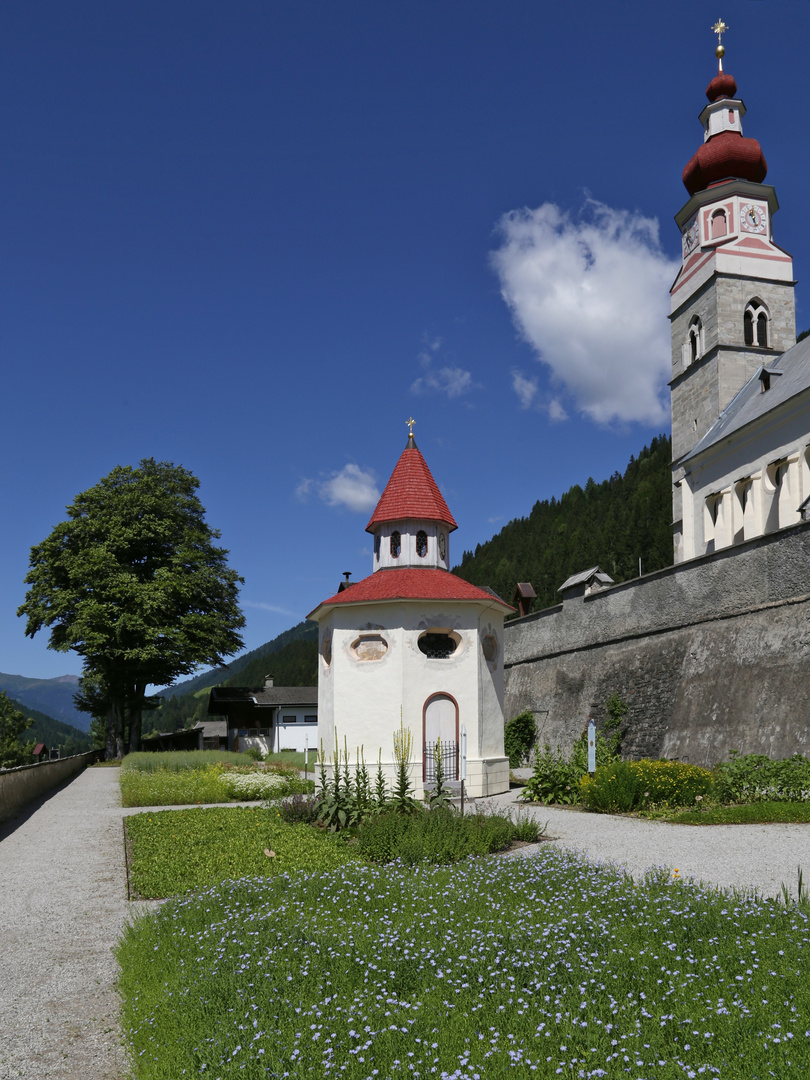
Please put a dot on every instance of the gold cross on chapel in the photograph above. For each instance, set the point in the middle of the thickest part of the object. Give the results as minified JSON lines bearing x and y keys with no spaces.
{"x":410,"y":424}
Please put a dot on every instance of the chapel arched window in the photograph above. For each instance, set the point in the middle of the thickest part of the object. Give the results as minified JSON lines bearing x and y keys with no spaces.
{"x":396,"y":545}
{"x":421,"y":543}
{"x":718,"y":224}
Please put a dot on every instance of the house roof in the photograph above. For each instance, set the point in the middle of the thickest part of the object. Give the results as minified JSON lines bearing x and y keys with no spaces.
{"x":411,"y":493}
{"x":38,"y":749}
{"x":594,"y":574}
{"x":412,"y":583}
{"x":751,"y":402}
{"x":222,"y":698}
{"x":212,"y":729}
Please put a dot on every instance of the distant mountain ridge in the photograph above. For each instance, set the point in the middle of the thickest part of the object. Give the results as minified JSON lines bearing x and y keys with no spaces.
{"x":54,"y":697}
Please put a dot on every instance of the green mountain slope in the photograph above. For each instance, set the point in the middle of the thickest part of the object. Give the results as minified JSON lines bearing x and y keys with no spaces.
{"x":304,"y":631}
{"x":294,"y":663}
{"x":54,"y":697}
{"x":53,"y":732}
{"x":611,"y":524}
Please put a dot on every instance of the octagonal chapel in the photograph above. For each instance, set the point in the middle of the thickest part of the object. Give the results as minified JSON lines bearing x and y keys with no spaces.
{"x":415,"y":643}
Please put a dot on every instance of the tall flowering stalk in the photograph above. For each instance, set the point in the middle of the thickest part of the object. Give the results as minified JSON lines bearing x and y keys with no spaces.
{"x":403,"y":799}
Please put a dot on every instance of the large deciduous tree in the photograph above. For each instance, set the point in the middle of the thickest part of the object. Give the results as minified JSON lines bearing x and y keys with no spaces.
{"x":134,"y":584}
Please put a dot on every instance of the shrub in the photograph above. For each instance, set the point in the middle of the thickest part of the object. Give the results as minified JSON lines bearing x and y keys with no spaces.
{"x":755,"y":777}
{"x":519,"y":736}
{"x":263,"y":785}
{"x":301,"y":809}
{"x":623,"y":786}
{"x":253,"y":752}
{"x":439,"y":836}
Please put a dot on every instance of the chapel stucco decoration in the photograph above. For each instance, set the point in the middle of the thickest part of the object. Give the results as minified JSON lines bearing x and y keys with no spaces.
{"x":369,"y":647}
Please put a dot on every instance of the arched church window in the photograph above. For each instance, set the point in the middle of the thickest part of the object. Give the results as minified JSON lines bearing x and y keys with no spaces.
{"x":377,"y":545}
{"x":695,"y":349}
{"x":756,"y":325}
{"x":421,"y":543}
{"x":396,"y":544}
{"x":718,"y":224}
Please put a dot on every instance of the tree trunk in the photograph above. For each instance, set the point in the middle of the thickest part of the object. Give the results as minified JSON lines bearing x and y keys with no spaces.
{"x":115,"y":731}
{"x":135,"y":721}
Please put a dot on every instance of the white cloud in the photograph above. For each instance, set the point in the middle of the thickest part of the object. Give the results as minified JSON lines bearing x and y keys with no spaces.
{"x":453,"y":381}
{"x":261,"y":606}
{"x":449,"y":379}
{"x":526,"y":389}
{"x":590,"y":294}
{"x":303,"y":489}
{"x":351,"y":487}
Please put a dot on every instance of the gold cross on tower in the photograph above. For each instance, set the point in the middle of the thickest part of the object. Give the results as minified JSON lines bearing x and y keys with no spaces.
{"x":410,"y":424}
{"x":720,"y":28}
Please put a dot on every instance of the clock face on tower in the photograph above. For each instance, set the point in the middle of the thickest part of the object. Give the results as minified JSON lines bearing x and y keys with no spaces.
{"x":691,"y":237}
{"x":752,"y":218}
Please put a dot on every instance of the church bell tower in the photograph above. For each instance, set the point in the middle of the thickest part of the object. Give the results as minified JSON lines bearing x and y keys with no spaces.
{"x":733,"y":301}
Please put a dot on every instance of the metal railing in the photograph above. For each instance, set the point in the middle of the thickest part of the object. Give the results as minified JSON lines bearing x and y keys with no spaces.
{"x":448,"y":751}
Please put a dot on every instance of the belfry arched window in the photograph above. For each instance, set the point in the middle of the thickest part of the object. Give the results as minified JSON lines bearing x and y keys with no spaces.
{"x":695,"y":343}
{"x":757,"y":325}
{"x":396,"y":544}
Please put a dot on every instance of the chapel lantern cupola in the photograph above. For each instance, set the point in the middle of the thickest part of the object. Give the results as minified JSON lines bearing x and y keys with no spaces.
{"x":411,"y":523}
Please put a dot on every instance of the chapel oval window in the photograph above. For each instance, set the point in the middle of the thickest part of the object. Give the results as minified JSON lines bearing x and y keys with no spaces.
{"x":421,"y":543}
{"x":438,"y":644}
{"x":396,"y":545}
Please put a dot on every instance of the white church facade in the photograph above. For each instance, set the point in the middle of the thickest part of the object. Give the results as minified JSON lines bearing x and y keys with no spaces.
{"x":740,"y":386}
{"x":414,"y":644}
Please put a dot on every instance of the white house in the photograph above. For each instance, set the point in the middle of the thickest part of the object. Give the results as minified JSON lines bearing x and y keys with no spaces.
{"x":414,"y":643}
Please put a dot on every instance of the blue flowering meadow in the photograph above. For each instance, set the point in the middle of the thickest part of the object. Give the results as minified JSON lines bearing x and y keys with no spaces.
{"x":522,"y":967}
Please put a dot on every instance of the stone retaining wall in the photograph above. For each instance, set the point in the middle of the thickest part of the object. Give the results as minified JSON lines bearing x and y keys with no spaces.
{"x":710,"y":655}
{"x":20,"y":786}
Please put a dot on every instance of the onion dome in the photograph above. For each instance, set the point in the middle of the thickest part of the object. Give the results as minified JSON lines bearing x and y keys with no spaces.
{"x":725,"y":153}
{"x":721,"y":86}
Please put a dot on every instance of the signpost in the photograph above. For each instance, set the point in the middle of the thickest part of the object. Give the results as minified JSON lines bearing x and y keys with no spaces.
{"x":306,"y":757}
{"x":591,"y":747}
{"x":462,"y":765}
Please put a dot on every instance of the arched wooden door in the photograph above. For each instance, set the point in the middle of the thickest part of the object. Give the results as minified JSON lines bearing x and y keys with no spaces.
{"x":440,"y":722}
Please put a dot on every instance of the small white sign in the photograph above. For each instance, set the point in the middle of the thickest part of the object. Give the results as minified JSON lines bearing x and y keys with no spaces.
{"x":591,"y":746}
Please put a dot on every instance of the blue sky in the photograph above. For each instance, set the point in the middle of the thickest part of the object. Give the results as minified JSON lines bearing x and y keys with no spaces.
{"x":253,"y":238}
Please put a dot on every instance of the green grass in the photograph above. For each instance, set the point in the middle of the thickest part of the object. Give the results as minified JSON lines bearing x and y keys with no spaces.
{"x":173,"y":851}
{"x":491,"y":968}
{"x":758,"y":813}
{"x":294,"y":758}
{"x":182,"y":760}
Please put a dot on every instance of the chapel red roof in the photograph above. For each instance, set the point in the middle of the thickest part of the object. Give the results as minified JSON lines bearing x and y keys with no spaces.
{"x":411,"y":493}
{"x":413,"y":583}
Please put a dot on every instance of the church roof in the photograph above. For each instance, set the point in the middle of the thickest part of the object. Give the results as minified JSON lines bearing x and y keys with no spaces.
{"x":793,"y":370}
{"x":411,"y":494}
{"x":413,"y":583}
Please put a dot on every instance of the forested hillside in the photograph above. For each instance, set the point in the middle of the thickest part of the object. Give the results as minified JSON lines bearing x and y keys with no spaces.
{"x":294,"y":664}
{"x":611,"y":524}
{"x":53,"y":732}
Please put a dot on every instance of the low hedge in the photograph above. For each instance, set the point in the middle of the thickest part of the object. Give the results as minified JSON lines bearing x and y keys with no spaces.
{"x":624,"y":786}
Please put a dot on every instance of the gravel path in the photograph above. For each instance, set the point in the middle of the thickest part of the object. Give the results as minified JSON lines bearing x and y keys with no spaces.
{"x":757,"y":857}
{"x":63,"y":899}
